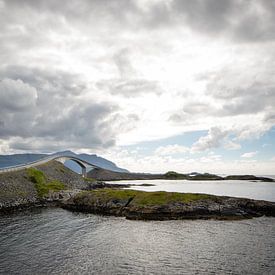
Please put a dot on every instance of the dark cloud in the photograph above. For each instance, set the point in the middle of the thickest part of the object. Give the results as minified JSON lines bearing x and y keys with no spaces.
{"x":206,"y":16}
{"x":16,"y":95}
{"x":56,"y":82}
{"x":251,"y":99}
{"x":241,"y":20}
{"x":44,"y":105}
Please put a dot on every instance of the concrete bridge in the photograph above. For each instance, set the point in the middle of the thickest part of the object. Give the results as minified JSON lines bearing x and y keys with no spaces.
{"x":61,"y":158}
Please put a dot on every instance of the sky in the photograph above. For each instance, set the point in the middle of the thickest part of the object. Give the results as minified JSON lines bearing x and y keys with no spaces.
{"x":153,"y":85}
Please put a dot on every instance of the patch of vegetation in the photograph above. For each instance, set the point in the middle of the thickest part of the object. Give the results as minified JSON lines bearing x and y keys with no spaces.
{"x":56,"y":186}
{"x":141,"y":198}
{"x":174,"y":175}
{"x":36,"y":176}
{"x":40,"y":182}
{"x":89,"y":179}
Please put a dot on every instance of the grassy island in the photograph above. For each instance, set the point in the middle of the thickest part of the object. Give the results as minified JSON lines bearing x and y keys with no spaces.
{"x":141,"y":205}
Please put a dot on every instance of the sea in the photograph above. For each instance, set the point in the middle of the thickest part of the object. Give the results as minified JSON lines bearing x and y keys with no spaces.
{"x":56,"y":241}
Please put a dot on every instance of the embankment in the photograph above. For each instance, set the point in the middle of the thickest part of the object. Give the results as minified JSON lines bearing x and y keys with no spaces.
{"x":35,"y":186}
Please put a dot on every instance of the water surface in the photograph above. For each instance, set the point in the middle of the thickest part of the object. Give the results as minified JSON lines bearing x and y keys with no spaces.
{"x":235,"y":188}
{"x":56,"y":241}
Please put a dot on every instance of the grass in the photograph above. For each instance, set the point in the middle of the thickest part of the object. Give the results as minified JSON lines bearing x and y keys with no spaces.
{"x":141,"y":198}
{"x":89,"y":179}
{"x":43,"y":187}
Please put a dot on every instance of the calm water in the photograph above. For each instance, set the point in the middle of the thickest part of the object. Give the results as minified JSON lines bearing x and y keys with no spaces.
{"x":236,"y":188}
{"x":56,"y":241}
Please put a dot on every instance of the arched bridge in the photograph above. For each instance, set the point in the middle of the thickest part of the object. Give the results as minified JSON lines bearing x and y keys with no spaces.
{"x":61,"y":158}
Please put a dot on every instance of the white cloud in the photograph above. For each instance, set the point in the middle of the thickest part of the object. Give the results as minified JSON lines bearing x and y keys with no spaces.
{"x":212,"y":140}
{"x":211,"y":163}
{"x":230,"y":145}
{"x":210,"y":158}
{"x":249,"y":154}
{"x":171,"y":150}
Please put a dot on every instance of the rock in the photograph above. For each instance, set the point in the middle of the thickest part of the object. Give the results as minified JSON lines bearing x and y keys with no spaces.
{"x":166,"y":206}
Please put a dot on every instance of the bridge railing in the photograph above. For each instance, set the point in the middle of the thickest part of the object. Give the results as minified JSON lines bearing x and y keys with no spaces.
{"x":25,"y":165}
{"x":41,"y":161}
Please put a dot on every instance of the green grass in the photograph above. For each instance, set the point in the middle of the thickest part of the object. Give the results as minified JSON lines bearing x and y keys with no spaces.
{"x":141,"y":198}
{"x":43,"y":187}
{"x":89,"y":179}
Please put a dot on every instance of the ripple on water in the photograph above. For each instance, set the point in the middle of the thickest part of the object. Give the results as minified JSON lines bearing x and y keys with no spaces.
{"x":60,"y":242}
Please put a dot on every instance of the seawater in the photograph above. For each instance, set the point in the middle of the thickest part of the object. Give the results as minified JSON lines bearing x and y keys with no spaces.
{"x":56,"y":241}
{"x":236,"y":188}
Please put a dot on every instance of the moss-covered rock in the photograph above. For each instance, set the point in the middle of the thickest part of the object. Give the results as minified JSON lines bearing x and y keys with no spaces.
{"x":166,"y":205}
{"x":42,"y":185}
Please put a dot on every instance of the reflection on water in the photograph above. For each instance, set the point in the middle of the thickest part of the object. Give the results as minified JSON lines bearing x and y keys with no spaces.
{"x":55,"y":241}
{"x":236,"y":188}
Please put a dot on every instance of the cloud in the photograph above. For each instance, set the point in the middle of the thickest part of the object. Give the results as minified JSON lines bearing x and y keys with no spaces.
{"x":249,"y":154}
{"x":230,"y":145}
{"x":129,"y":87}
{"x":190,"y":110}
{"x":92,"y":74}
{"x":212,"y":140}
{"x":211,"y":163}
{"x":171,"y":150}
{"x":229,"y":18}
{"x":211,"y":158}
{"x":15,"y":95}
{"x":51,"y":111}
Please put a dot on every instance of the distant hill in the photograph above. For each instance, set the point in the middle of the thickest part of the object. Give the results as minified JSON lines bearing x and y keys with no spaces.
{"x":105,"y":175}
{"x":11,"y":160}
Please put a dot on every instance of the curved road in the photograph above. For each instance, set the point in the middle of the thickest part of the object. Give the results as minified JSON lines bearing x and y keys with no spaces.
{"x":62,"y":158}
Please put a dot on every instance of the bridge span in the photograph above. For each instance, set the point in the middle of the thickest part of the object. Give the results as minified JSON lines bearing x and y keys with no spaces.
{"x":61,"y":158}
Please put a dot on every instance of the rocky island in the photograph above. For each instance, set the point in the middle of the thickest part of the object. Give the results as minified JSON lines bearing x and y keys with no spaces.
{"x":107,"y":175}
{"x":140,"y":205}
{"x":52,"y":184}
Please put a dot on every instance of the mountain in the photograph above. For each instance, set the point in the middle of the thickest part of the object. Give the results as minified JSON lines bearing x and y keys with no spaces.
{"x":11,"y":160}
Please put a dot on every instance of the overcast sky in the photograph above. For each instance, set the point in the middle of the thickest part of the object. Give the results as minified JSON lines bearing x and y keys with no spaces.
{"x":152,"y":85}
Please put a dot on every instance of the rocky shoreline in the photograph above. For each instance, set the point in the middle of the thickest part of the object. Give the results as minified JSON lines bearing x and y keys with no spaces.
{"x":140,"y":205}
{"x":52,"y":184}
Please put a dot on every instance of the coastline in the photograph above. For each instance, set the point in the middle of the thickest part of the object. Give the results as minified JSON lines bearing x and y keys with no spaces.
{"x":52,"y":184}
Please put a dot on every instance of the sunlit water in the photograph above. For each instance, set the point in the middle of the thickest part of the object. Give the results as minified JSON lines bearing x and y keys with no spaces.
{"x":56,"y":241}
{"x":236,"y":188}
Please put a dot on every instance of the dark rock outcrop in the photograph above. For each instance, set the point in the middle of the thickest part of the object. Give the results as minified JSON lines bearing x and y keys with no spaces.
{"x":18,"y":191}
{"x":141,"y":205}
